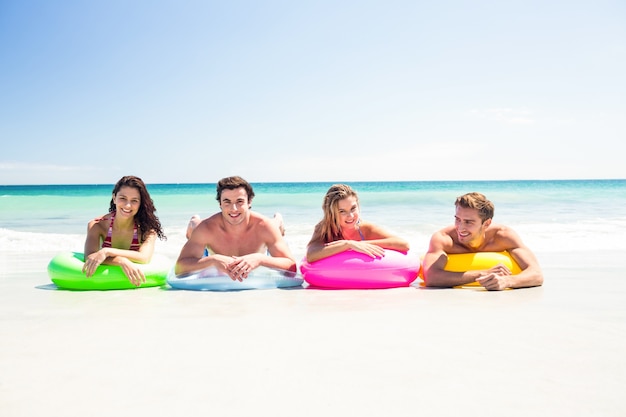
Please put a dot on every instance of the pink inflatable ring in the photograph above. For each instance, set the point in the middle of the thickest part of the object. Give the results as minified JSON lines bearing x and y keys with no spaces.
{"x":355,"y":270}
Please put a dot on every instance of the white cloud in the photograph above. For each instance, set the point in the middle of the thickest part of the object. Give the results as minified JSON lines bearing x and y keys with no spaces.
{"x":506,"y":115}
{"x":17,"y":167}
{"x":37,"y":173}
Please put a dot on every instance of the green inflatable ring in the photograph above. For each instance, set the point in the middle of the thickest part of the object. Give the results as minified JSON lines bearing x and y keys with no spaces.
{"x":66,"y":271}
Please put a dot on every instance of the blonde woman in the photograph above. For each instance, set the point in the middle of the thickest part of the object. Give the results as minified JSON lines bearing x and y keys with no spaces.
{"x":342,"y":229}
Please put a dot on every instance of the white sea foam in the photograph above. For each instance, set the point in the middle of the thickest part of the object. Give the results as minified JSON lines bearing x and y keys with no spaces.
{"x":12,"y":241}
{"x":583,"y":236}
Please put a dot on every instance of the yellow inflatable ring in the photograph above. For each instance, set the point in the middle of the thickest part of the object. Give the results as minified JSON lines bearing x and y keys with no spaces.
{"x":462,"y":262}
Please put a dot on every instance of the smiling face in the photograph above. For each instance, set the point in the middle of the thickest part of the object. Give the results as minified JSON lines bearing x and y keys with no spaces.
{"x":127,"y":201}
{"x":469,"y":227}
{"x":235,"y":206}
{"x":348,"y":212}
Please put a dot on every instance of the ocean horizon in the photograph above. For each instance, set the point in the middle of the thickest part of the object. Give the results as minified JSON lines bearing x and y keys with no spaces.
{"x":195,"y":183}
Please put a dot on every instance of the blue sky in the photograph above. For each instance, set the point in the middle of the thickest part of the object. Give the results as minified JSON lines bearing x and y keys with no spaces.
{"x":192,"y":91}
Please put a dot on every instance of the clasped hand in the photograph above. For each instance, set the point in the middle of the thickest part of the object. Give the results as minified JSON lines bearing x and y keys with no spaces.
{"x":238,"y":267}
{"x":370,"y":249}
{"x":496,"y":278}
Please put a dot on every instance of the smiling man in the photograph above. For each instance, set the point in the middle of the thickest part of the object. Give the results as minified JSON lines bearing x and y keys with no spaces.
{"x":473,"y":231}
{"x":238,"y":239}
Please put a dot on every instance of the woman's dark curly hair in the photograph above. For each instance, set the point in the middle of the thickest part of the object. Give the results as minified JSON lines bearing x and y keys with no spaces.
{"x":146,"y":218}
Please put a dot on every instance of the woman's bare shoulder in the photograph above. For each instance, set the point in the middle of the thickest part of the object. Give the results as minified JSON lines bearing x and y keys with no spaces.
{"x":102,"y":221}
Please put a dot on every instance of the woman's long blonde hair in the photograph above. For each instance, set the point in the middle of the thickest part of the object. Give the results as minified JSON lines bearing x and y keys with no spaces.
{"x":328,"y":229}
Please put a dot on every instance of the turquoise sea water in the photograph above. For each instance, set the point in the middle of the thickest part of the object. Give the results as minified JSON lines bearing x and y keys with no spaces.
{"x":551,"y":216}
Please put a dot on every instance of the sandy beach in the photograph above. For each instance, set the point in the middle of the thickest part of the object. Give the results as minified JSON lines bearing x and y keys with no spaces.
{"x":548,"y":351}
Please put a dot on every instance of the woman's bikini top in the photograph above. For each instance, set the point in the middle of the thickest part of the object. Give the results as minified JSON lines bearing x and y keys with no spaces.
{"x":135,"y":245}
{"x":358,"y":229}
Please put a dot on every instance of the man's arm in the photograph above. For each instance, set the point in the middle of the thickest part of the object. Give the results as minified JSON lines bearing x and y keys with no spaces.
{"x":277,"y":247}
{"x":192,"y":257}
{"x":435,"y":261}
{"x":531,"y":275}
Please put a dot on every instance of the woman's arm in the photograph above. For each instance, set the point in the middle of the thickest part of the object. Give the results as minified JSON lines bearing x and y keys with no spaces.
{"x":376,"y":241}
{"x":379,"y":236}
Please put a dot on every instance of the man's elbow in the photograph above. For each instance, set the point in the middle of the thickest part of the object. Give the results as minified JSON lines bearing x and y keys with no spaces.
{"x":430,"y":280}
{"x":179,"y":268}
{"x":528,"y":279}
{"x":429,"y":283}
{"x":537,"y":276}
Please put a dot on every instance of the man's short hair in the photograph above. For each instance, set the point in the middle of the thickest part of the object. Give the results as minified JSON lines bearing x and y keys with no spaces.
{"x":232,"y":183}
{"x":478,"y":202}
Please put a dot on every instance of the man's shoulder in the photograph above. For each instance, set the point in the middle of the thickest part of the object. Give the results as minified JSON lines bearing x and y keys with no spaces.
{"x":258,"y":219}
{"x":503,"y":232}
{"x":258,"y":216}
{"x":442,"y":240}
{"x":445,"y":233}
{"x":211,"y":221}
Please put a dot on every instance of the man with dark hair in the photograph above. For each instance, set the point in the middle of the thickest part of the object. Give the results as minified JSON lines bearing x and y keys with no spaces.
{"x":237,"y":239}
